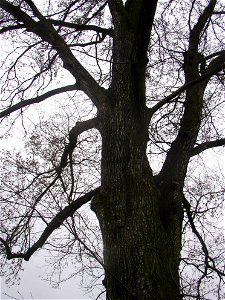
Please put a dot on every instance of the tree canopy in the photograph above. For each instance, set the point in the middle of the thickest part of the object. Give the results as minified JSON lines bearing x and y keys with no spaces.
{"x":118,"y":109}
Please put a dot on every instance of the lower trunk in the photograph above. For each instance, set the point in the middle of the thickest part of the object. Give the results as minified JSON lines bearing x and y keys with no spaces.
{"x":141,"y":253}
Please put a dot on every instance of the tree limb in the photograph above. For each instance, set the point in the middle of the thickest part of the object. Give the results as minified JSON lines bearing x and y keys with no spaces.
{"x":207,"y":145}
{"x":219,"y":12}
{"x":37,"y":99}
{"x":73,"y":135}
{"x":208,"y":258}
{"x":184,"y":87}
{"x":11,"y":27}
{"x":55,"y":223}
{"x":45,"y":30}
{"x":196,"y":32}
{"x":82,"y":27}
{"x":100,"y":40}
{"x":34,"y":9}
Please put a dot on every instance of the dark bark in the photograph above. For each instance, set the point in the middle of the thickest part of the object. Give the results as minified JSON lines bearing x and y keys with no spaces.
{"x":137,"y":249}
{"x":140,"y":215}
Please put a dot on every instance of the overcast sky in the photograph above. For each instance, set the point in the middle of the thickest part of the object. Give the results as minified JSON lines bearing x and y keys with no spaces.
{"x":31,"y":284}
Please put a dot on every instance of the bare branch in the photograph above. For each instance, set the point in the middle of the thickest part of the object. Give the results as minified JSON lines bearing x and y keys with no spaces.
{"x":98,"y":41}
{"x":82,"y":27}
{"x":47,"y":32}
{"x":55,"y":223}
{"x":73,"y":135}
{"x":34,"y":9}
{"x":219,"y":13}
{"x":37,"y":99}
{"x":196,"y":32}
{"x":184,"y":87}
{"x":222,"y":52}
{"x":207,"y":145}
{"x":208,"y":258}
{"x":11,"y":27}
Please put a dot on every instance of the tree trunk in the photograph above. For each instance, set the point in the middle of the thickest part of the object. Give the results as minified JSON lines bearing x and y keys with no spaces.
{"x":141,"y":252}
{"x":141,"y":259}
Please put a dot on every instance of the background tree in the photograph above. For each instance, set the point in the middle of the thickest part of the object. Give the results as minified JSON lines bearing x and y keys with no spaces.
{"x":148,"y":78}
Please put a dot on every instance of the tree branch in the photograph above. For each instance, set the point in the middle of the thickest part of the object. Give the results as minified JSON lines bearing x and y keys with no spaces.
{"x":199,"y":26}
{"x":11,"y":27}
{"x":207,"y":145}
{"x":98,"y":41}
{"x":67,"y":211}
{"x":55,"y":223}
{"x":184,"y":87}
{"x":37,"y":99}
{"x":216,"y":62}
{"x":208,"y":258}
{"x":34,"y":9}
{"x":219,"y":12}
{"x":73,"y":135}
{"x":45,"y":30}
{"x":82,"y":27}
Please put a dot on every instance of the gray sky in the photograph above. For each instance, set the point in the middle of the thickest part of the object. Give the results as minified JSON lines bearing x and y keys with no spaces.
{"x":31,"y":284}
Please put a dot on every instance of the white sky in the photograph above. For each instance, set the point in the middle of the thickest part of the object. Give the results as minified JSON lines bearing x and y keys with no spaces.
{"x":33,"y":287}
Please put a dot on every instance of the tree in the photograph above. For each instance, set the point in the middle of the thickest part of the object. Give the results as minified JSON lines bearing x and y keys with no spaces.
{"x":152,"y":71}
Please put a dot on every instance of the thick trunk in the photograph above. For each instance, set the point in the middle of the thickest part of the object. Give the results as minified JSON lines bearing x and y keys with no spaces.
{"x":139,"y":255}
{"x":140,"y":258}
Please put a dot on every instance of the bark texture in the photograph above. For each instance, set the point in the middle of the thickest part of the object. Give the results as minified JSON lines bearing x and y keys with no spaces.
{"x":140,"y":258}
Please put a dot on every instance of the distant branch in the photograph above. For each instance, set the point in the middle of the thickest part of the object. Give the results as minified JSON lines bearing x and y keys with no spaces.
{"x":208,"y":258}
{"x":207,"y":145}
{"x":67,"y":211}
{"x":37,"y":99}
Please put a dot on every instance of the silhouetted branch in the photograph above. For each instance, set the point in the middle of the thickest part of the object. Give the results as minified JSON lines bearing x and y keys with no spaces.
{"x":45,"y":30}
{"x":184,"y":87}
{"x":37,"y":99}
{"x":55,"y":223}
{"x":207,"y":145}
{"x":11,"y":27}
{"x":208,"y":258}
{"x":219,"y":12}
{"x":73,"y":135}
{"x":82,"y":27}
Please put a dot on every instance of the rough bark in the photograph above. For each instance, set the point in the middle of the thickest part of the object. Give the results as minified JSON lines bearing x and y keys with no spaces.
{"x":140,"y":259}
